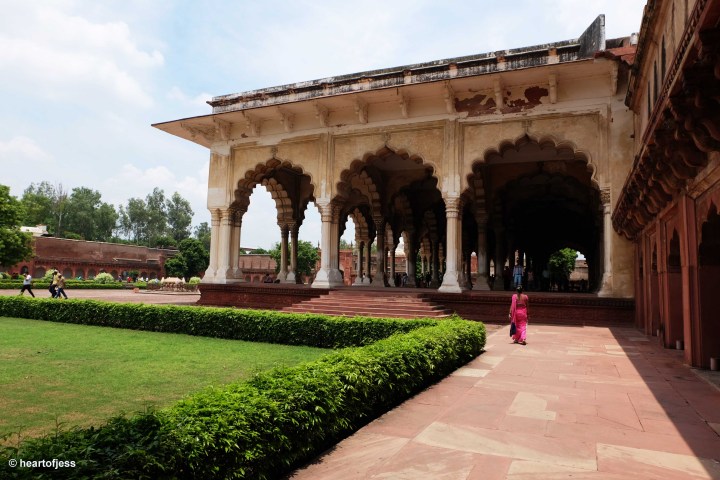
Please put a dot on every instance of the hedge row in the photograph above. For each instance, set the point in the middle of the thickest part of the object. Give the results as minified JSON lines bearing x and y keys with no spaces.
{"x":264,"y":427}
{"x":69,"y":284}
{"x":314,"y":330}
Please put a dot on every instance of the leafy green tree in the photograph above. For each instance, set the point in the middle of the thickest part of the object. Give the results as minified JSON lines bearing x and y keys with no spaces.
{"x":165,"y":241}
{"x":191,"y":261}
{"x":179,"y":216}
{"x":15,"y":245}
{"x":196,"y":256}
{"x":176,"y":266}
{"x":157,"y":224}
{"x":562,"y":263}
{"x":307,"y":257}
{"x":87,"y":215}
{"x":202,"y":233}
{"x":134,"y":221}
{"x":44,"y":204}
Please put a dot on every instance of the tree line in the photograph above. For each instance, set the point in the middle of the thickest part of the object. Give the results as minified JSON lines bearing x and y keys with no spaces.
{"x":81,"y":214}
{"x":154,"y":221}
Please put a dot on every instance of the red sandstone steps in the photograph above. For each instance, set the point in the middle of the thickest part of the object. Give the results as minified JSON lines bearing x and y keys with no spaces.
{"x":372,"y":304}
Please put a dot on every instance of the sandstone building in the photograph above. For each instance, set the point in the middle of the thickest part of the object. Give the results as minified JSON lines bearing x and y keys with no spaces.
{"x":607,"y":146}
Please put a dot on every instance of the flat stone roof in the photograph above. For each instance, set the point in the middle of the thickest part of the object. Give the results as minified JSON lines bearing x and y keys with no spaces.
{"x":584,"y":47}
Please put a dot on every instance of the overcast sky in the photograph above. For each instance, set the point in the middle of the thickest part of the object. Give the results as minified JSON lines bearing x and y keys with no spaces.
{"x":81,"y":81}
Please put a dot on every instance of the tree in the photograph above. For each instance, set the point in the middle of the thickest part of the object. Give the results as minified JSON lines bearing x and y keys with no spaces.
{"x":44,"y":204}
{"x":307,"y":257}
{"x":15,"y":246}
{"x":176,"y":266}
{"x":179,"y":217}
{"x":87,"y":215}
{"x":134,"y":221}
{"x":561,"y":263}
{"x":196,"y":256}
{"x":157,"y":225}
{"x":202,"y":233}
{"x":191,"y":260}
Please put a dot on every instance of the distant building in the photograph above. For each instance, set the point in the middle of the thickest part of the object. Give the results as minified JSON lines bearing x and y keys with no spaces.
{"x":80,"y":258}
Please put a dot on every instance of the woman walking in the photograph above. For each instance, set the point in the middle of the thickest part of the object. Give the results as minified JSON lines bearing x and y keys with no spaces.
{"x":519,"y":315}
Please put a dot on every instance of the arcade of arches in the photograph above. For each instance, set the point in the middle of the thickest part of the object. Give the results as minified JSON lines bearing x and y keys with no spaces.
{"x":584,"y":143}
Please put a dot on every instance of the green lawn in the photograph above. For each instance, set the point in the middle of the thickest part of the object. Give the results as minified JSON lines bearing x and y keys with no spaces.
{"x":81,"y":375}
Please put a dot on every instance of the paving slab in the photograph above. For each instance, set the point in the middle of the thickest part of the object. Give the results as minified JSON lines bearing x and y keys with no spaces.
{"x":576,"y":402}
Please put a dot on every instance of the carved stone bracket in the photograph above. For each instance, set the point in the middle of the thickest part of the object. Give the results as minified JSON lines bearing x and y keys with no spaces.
{"x":449,"y":96}
{"x":322,"y":114}
{"x":253,"y":124}
{"x":361,"y":110}
{"x":287,"y":119}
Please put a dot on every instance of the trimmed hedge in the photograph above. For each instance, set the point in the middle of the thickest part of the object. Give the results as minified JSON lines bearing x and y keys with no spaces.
{"x":268,"y":425}
{"x":314,"y":330}
{"x":69,"y":285}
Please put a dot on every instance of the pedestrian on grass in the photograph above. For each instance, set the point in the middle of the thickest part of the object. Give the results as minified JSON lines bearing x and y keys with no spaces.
{"x":27,"y":285}
{"x":519,"y":315}
{"x":60,"y":287}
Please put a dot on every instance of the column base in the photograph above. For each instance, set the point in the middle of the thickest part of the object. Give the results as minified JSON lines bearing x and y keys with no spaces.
{"x":499,"y":285}
{"x":450,"y":283}
{"x":289,"y":278}
{"x":328,"y":278}
{"x":606,"y":288}
{"x":209,"y":276}
{"x":481,"y":283}
{"x":379,"y":281}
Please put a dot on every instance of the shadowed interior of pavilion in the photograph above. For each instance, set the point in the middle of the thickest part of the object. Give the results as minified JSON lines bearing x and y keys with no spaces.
{"x":522,"y":202}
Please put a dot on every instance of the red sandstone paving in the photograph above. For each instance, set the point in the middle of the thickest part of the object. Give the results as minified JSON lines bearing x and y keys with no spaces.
{"x":581,"y":403}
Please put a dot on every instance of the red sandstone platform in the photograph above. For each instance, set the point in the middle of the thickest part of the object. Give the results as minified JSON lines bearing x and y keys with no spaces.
{"x":603,"y":403}
{"x":489,"y":307}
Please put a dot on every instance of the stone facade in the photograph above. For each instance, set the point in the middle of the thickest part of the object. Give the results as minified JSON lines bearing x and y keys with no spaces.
{"x":669,"y":203}
{"x":80,"y":258}
{"x":513,"y":153}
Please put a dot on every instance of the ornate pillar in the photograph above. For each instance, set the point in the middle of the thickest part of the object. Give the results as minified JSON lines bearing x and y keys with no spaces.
{"x":379,"y":280}
{"x":368,"y":258}
{"x":392,"y":265}
{"x":481,"y":283}
{"x":411,"y":260}
{"x":606,"y":284}
{"x":209,"y":276}
{"x":359,"y":277}
{"x":451,"y":283}
{"x":292,"y":275}
{"x":284,"y":232}
{"x":235,"y":246}
{"x":499,"y":284}
{"x":224,"y":272}
{"x":328,"y":276}
{"x":435,"y":279}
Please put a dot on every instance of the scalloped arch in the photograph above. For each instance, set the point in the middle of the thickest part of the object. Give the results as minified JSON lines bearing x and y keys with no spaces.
{"x":261,"y":175}
{"x":545,"y":142}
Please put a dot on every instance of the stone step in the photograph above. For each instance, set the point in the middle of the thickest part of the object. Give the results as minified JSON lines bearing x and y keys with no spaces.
{"x":360,"y":313}
{"x":372,"y":303}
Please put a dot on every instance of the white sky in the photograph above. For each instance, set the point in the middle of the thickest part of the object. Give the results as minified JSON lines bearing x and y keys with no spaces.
{"x":81,"y":81}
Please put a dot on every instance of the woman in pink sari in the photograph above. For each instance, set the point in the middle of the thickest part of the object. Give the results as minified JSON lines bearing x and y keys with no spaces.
{"x":519,"y":315}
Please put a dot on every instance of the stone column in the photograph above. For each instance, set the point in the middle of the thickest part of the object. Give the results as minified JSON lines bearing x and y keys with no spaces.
{"x":481,"y":283}
{"x":435,"y":280}
{"x":392,"y":265}
{"x":292,"y":276}
{"x":606,"y":284}
{"x":411,"y":260}
{"x":468,"y":269}
{"x":379,"y":280}
{"x":327,"y":276}
{"x":499,"y":284}
{"x":451,"y":282}
{"x":235,"y":246}
{"x":210,"y":272}
{"x":284,"y":232}
{"x":359,"y":277}
{"x":368,"y":258}
{"x":224,"y":272}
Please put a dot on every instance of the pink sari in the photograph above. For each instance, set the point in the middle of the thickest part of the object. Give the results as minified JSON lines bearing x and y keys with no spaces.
{"x":519,"y":315}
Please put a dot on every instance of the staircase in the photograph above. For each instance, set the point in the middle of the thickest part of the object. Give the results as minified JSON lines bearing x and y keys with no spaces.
{"x":390,"y":303}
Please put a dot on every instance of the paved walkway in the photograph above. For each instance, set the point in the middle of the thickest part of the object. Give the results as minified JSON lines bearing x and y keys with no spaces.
{"x":576,"y":402}
{"x":119,"y":295}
